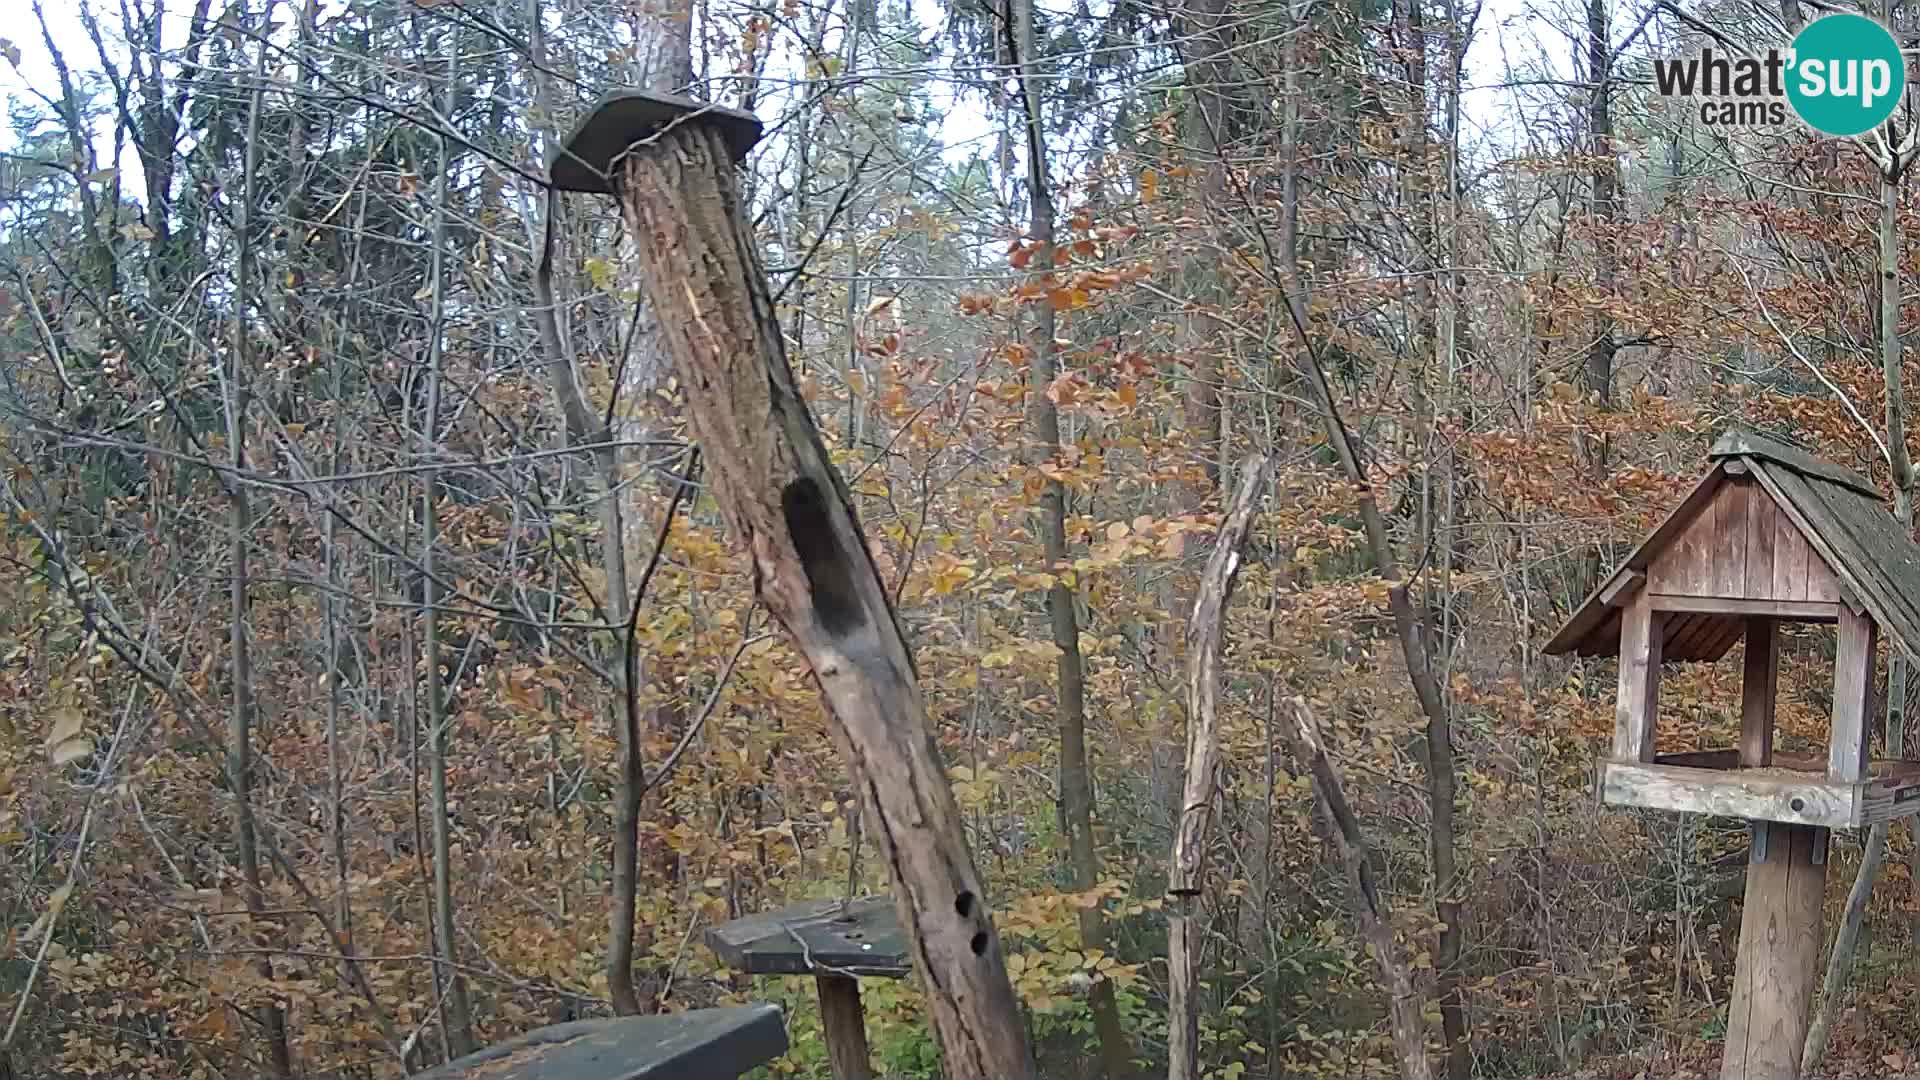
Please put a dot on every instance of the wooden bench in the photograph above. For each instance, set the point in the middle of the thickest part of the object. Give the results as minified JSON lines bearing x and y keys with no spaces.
{"x":700,"y":1044}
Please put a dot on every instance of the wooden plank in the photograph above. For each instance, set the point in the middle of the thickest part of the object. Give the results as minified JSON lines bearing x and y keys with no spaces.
{"x":1728,"y":558}
{"x":1731,"y":631}
{"x":1744,"y":444}
{"x":1622,"y":586}
{"x":1852,"y":680}
{"x":1796,"y":610}
{"x":1779,"y":960}
{"x":1890,"y":798}
{"x":1789,"y":559}
{"x":1801,"y":799}
{"x":1826,"y":534}
{"x":1701,"y":759}
{"x":1822,"y":585}
{"x":718,"y":1043}
{"x":860,"y":938}
{"x":1679,"y":629}
{"x":1694,"y":573}
{"x":1761,"y":516}
{"x":1759,"y":686}
{"x":844,"y":1024}
{"x":1638,"y":702}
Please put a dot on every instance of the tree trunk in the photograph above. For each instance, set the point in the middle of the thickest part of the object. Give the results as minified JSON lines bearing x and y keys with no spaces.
{"x":1206,"y":633}
{"x":241,"y":720}
{"x":1076,"y":780}
{"x":1847,"y":937}
{"x":582,"y":429}
{"x":1410,"y":626}
{"x":788,"y":506}
{"x":458,"y":1014}
{"x":1404,"y":1007}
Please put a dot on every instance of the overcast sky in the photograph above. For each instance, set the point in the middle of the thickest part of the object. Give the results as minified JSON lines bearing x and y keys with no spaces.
{"x":1511,"y":36}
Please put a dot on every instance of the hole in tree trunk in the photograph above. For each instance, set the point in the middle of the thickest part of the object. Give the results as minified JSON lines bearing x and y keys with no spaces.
{"x":979,"y":943}
{"x":829,"y":571}
{"x":963,"y":904}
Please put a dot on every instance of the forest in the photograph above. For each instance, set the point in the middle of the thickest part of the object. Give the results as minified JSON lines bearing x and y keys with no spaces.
{"x":381,"y":677}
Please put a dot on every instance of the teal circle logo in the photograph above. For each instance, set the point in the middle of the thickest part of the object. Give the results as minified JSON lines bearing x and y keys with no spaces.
{"x":1846,"y":74}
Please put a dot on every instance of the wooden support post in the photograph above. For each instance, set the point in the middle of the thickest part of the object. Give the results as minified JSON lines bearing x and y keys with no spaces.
{"x":844,"y":1023}
{"x":1779,"y":961}
{"x":788,"y":506}
{"x":1639,"y":698}
{"x":1759,"y":683}
{"x":1852,"y":676}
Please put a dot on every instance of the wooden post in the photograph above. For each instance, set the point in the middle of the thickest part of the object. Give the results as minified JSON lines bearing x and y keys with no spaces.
{"x":1852,"y":675}
{"x":1638,"y":704}
{"x":1780,"y":937}
{"x":1759,"y":684}
{"x":844,"y":1024}
{"x":1206,"y":632}
{"x":787,"y":505}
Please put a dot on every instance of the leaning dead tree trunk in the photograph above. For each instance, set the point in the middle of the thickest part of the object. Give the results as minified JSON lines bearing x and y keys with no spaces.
{"x":1404,"y":1013}
{"x":786,"y":503}
{"x":1206,"y":632}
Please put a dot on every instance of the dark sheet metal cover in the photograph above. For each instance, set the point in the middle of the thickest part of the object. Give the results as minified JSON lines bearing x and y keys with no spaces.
{"x":625,"y":117}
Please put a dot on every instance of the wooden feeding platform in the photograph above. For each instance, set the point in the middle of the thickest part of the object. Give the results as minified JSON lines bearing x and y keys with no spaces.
{"x":838,"y":943}
{"x":1769,"y":535}
{"x":1794,"y":789}
{"x":719,"y":1044}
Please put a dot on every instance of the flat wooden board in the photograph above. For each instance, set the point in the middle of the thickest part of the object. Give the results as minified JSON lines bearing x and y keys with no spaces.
{"x":1794,"y":790}
{"x":708,"y":1043}
{"x":817,"y":937}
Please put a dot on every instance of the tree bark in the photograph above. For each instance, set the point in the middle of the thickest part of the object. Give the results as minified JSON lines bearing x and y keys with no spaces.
{"x":240,"y":518}
{"x":582,"y":428}
{"x":1076,"y":780}
{"x":1404,"y":1007}
{"x":1206,"y":634}
{"x":458,"y":1014}
{"x":784,"y":501}
{"x":1846,"y":940}
{"x":1411,"y":626}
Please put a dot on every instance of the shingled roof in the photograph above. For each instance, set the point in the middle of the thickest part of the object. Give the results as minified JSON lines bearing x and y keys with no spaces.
{"x":1842,"y":517}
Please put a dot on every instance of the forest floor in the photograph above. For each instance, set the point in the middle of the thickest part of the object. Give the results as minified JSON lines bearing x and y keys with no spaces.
{"x":1875,"y":1039}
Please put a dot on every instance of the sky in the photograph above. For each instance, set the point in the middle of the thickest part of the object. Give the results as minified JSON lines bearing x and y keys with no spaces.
{"x":1510,"y":35}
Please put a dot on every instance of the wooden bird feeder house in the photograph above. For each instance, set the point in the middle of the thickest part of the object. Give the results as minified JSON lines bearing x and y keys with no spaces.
{"x":1770,"y":535}
{"x":836,"y":942}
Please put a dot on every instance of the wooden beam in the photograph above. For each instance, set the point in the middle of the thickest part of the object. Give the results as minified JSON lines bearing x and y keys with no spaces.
{"x":1794,"y":610}
{"x":1759,"y":684}
{"x":1638,"y":702}
{"x":1808,"y":800}
{"x":844,"y":1024}
{"x":1621,"y":588}
{"x":1852,"y":677}
{"x":1779,"y":960}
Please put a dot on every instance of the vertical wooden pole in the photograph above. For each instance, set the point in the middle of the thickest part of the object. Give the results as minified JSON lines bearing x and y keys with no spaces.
{"x":1759,"y":682}
{"x":1639,"y":698}
{"x":1852,"y":674}
{"x":844,"y":1024}
{"x":1780,"y":937}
